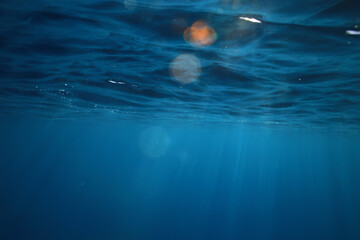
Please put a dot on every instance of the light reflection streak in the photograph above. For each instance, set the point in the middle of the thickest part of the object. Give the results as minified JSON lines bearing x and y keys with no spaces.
{"x":352,"y":32}
{"x":254,"y":20}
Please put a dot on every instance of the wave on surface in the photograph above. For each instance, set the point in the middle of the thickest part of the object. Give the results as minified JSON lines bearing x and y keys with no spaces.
{"x":266,"y":62}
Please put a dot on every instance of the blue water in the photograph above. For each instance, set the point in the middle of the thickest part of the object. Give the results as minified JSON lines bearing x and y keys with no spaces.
{"x":123,"y":120}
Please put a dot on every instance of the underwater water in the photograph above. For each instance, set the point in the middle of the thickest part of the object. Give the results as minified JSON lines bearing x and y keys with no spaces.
{"x":209,"y":119}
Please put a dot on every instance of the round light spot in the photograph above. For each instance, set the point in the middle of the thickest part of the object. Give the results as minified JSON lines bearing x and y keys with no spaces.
{"x":200,"y":34}
{"x":186,"y":68}
{"x":154,"y":142}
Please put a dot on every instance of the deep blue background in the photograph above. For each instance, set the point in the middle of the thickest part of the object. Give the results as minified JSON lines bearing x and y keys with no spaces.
{"x":91,"y":180}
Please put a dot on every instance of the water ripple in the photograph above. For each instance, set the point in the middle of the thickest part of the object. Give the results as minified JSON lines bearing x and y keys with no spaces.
{"x":266,"y":63}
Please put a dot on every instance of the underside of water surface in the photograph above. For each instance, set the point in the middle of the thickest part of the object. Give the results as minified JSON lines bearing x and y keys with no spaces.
{"x":235,"y":62}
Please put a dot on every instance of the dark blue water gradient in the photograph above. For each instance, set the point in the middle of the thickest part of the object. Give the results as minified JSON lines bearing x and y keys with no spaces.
{"x":86,"y":59}
{"x":82,"y":180}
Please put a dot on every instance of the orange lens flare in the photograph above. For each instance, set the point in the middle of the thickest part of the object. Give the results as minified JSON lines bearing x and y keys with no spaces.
{"x":200,"y":34}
